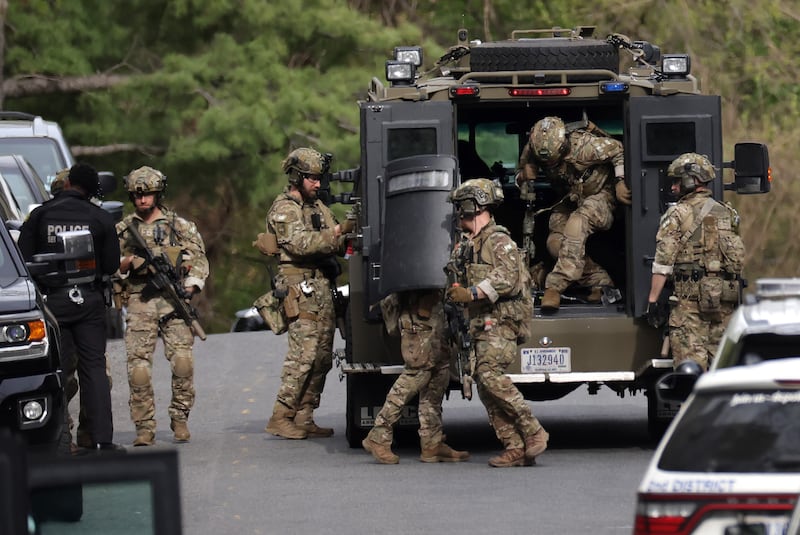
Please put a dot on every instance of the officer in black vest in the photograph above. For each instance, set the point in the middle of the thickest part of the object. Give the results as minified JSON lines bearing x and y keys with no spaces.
{"x":80,"y":309}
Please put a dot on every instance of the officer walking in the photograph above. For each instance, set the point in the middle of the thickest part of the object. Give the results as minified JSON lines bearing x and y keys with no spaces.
{"x":580,"y":162}
{"x":492,"y":290}
{"x":150,"y":313}
{"x":419,"y":317}
{"x":306,"y":237}
{"x":80,"y":309}
{"x":699,"y":248}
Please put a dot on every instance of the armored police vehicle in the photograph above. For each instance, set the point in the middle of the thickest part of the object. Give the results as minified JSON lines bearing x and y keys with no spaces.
{"x":422,"y":134}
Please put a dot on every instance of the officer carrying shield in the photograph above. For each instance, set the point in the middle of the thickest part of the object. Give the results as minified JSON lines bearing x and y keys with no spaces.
{"x":80,"y":309}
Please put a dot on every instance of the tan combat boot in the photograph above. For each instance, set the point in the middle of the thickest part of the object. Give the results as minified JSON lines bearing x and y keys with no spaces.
{"x":180,"y":430}
{"x":595,"y":295}
{"x":536,"y":443}
{"x":382,"y":453}
{"x":144,"y":437}
{"x":281,"y":424}
{"x":442,"y":453}
{"x":304,"y":419}
{"x":551,"y":300}
{"x":512,"y":457}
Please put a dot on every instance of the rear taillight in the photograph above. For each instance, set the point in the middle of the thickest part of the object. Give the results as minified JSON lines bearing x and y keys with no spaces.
{"x":662,"y":516}
{"x":679,"y":514}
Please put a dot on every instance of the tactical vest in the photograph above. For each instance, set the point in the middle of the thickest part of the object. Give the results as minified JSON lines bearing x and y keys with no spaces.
{"x":316,"y":217}
{"x":518,"y":305}
{"x":708,"y":266}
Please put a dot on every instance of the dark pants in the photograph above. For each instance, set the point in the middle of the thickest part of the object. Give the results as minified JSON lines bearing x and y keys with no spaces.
{"x":84,"y":328}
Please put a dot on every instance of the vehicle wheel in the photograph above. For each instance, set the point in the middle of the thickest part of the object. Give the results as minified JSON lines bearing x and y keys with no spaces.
{"x":659,"y":415}
{"x":545,"y":54}
{"x":353,"y":430}
{"x":115,"y":323}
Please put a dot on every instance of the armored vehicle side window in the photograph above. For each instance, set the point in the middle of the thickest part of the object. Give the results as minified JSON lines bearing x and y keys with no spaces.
{"x":670,"y":139}
{"x":403,"y":142}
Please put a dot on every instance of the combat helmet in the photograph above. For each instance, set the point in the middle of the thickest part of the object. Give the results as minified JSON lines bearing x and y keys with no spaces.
{"x":691,"y":168}
{"x":146,"y":180}
{"x":305,"y":161}
{"x":548,"y":140}
{"x":58,"y":183}
{"x":475,"y":193}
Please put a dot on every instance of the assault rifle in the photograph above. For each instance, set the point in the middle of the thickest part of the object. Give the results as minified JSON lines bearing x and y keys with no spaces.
{"x":164,"y":278}
{"x":331,"y":269}
{"x":458,"y":325}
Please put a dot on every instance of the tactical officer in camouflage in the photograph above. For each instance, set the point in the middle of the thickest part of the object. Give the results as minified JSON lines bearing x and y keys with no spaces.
{"x":699,"y":248}
{"x":419,"y":317}
{"x":306,"y":238}
{"x":491,"y":288}
{"x":579,"y":162}
{"x":149,"y":312}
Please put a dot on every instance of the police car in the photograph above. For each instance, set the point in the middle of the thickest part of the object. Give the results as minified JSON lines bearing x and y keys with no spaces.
{"x":729,"y":462}
{"x":766,"y":326}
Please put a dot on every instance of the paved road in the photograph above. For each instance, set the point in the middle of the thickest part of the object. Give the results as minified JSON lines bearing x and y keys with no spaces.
{"x":237,"y":479}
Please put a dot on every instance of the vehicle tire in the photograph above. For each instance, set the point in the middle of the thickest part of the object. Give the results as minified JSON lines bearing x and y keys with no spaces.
{"x":546,"y":54}
{"x":115,"y":323}
{"x":659,"y":415}
{"x":354,"y":432}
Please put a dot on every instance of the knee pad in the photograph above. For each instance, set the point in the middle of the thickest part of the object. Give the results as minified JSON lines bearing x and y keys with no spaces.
{"x":576,"y":227}
{"x":554,"y":241}
{"x":182,"y":366}
{"x":140,"y":376}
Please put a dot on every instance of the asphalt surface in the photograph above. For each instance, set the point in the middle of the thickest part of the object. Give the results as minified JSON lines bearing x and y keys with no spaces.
{"x":235,"y":478}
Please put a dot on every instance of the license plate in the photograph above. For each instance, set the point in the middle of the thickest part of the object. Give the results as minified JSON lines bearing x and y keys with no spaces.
{"x":546,"y":359}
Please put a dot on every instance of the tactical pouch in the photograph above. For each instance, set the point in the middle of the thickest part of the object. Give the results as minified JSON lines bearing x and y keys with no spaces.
{"x":267,"y":243}
{"x":390,"y":309}
{"x":710,"y":298}
{"x":730,"y":291}
{"x":291,"y":304}
{"x":271,"y":309}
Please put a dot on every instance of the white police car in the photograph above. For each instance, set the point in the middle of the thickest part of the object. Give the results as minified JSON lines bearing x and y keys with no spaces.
{"x":730,"y":461}
{"x":766,"y":326}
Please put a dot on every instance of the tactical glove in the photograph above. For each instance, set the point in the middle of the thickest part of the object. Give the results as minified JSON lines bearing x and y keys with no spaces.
{"x":347,"y":226}
{"x":622,"y":192}
{"x":459,"y":294}
{"x":656,"y":315}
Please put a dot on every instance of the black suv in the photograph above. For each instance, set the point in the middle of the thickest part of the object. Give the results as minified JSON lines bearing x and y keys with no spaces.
{"x":31,"y":389}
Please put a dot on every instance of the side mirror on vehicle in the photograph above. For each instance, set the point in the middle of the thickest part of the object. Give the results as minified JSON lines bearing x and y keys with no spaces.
{"x":74,"y":263}
{"x":677,"y":386}
{"x":752,"y":173}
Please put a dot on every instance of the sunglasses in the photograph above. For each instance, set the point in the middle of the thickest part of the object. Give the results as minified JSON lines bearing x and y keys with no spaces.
{"x":311,"y":177}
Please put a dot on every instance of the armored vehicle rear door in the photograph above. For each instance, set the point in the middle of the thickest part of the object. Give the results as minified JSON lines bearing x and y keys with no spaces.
{"x":408,"y":169}
{"x":662,"y":128}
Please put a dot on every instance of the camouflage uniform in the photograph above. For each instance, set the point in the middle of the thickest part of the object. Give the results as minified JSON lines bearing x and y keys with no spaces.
{"x":426,"y":371}
{"x":494,"y":325}
{"x":706,"y":270}
{"x":582,"y":177}
{"x":307,"y":244}
{"x":148,"y":314}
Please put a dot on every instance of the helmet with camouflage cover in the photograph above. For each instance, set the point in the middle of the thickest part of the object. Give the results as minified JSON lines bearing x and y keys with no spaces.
{"x":305,"y":161}
{"x":145,"y":180}
{"x":691,"y":168}
{"x":475,"y":193}
{"x":57,"y":185}
{"x":548,"y":140}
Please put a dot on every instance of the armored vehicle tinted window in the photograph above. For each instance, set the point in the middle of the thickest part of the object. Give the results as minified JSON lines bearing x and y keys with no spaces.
{"x":667,"y":139}
{"x":403,"y":142}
